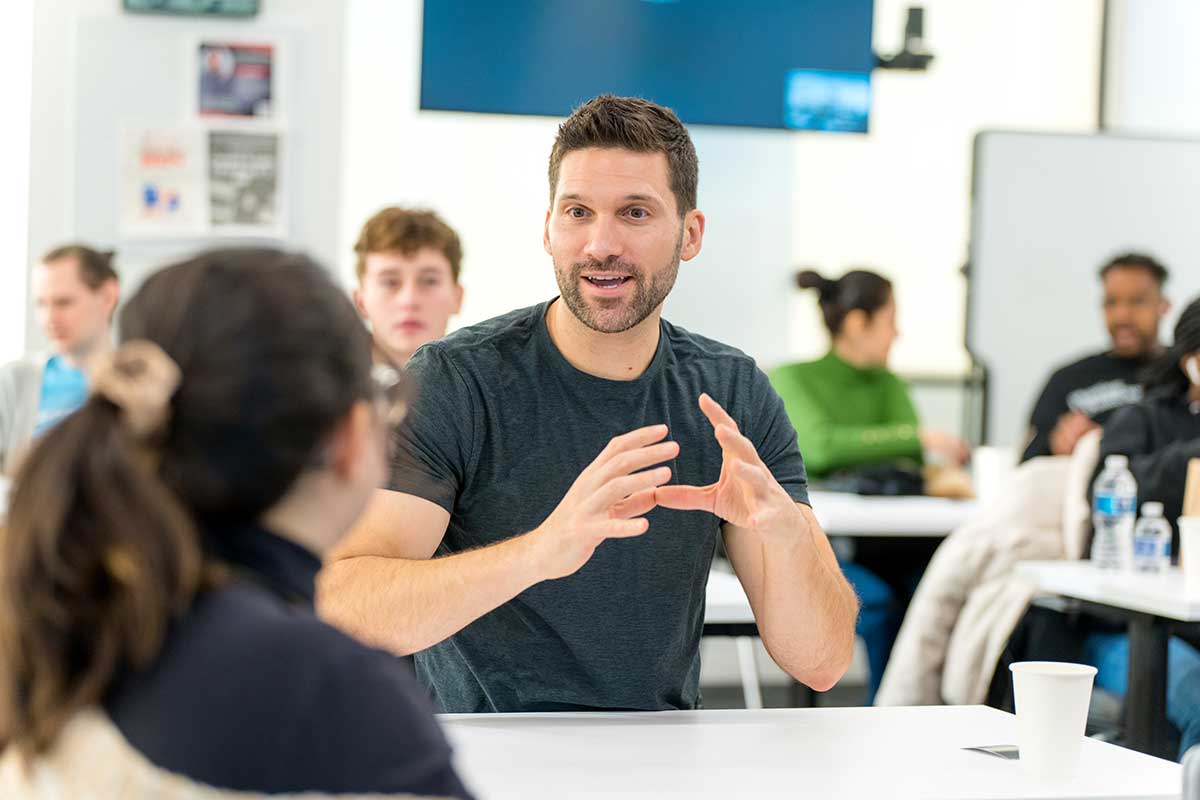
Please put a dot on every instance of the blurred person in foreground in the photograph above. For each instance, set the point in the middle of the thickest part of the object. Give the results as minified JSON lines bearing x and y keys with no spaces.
{"x":157,"y":634}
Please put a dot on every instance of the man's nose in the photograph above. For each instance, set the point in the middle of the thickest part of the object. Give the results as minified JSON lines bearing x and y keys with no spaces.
{"x":604,"y":240}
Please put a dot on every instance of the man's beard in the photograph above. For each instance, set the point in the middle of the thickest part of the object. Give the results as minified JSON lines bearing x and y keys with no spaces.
{"x":616,"y":315}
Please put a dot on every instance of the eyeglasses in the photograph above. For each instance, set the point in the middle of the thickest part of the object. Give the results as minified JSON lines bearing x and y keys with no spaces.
{"x":391,"y":394}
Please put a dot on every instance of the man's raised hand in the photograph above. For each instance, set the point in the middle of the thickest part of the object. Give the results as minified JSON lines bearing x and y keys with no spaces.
{"x":606,"y":501}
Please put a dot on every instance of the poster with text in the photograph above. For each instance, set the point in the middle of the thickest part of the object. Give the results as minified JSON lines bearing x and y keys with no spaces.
{"x":162,"y":183}
{"x":236,"y":79}
{"x":244,"y":175}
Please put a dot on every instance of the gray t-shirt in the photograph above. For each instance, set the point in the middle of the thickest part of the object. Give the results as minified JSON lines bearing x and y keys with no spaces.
{"x":501,"y":426}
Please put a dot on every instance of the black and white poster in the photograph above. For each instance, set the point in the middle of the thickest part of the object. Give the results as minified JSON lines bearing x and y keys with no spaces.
{"x":244,"y":177}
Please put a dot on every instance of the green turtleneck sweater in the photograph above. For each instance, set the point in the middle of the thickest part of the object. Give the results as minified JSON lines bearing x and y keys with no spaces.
{"x":845,"y":416}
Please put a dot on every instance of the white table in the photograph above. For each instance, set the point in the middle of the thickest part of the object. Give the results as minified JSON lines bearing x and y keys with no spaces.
{"x":1148,"y":604}
{"x":1159,"y":595}
{"x":843,"y":753}
{"x":843,"y":514}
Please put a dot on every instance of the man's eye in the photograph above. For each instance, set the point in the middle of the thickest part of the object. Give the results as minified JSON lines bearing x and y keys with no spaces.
{"x":576,"y":212}
{"x":638,"y":213}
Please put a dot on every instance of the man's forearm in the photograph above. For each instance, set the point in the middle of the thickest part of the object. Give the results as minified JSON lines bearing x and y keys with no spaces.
{"x":406,"y":605}
{"x":809,"y":609}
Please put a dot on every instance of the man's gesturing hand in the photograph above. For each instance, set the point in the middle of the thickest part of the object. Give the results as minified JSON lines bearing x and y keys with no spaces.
{"x":746,"y":494}
{"x":606,"y":501}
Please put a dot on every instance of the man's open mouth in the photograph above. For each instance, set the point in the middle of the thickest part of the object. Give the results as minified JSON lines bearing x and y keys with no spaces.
{"x":607,"y":281}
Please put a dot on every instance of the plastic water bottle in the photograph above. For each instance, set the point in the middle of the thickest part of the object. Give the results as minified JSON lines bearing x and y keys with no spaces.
{"x":1152,"y":540}
{"x":1113,"y":513}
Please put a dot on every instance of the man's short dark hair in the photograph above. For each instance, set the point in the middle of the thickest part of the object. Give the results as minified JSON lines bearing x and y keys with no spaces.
{"x":1137,"y":261}
{"x":631,"y":123}
{"x":95,"y":266}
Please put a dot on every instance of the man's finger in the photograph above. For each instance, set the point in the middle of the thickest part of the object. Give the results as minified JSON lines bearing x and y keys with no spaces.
{"x":635,"y":505}
{"x":633,"y":460}
{"x":624,"y":528}
{"x":733,"y":443}
{"x":685,"y":498}
{"x":716,"y":415}
{"x":618,"y":489}
{"x":629,"y":441}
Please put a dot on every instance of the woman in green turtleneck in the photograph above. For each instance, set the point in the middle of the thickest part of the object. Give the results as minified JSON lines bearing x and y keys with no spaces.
{"x":850,"y":411}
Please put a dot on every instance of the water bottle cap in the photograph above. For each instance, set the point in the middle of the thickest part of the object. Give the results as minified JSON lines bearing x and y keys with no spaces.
{"x":1152,"y":509}
{"x":1116,"y":462}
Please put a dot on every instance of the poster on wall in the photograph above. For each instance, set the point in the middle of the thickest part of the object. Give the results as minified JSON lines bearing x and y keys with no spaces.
{"x":196,"y":181}
{"x":236,"y":79}
{"x":244,"y":182}
{"x":163,"y":188}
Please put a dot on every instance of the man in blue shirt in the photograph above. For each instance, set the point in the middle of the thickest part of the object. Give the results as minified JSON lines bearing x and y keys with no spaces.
{"x":75,"y":291}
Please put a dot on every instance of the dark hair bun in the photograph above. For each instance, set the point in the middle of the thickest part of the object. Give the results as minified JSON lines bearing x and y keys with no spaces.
{"x":856,"y":290}
{"x":811,"y":279}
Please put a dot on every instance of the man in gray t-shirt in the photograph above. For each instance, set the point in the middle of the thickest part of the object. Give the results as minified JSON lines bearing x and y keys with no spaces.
{"x":565,"y":471}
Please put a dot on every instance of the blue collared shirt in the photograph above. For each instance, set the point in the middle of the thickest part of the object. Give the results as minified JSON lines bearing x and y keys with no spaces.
{"x":64,"y":389}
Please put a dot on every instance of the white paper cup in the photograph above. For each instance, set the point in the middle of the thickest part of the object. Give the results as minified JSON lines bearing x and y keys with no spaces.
{"x":1189,"y":554}
{"x":1052,"y":703}
{"x":990,"y":468}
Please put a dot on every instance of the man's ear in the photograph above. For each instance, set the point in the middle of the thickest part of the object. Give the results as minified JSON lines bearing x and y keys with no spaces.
{"x":356,"y":295}
{"x":693,"y":235}
{"x":112,"y":295}
{"x":546,"y":234}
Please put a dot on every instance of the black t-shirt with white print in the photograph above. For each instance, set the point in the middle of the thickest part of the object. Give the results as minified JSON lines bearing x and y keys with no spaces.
{"x":1096,"y":386}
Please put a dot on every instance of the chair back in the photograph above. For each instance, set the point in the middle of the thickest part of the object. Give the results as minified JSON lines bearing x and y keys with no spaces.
{"x":1191,"y":774}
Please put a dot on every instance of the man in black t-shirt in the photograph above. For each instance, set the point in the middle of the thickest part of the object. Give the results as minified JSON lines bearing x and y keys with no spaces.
{"x":1080,"y":396}
{"x":545,"y":546}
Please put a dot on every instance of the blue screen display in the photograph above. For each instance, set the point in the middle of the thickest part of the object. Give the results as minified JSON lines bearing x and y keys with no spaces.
{"x":798,"y":64}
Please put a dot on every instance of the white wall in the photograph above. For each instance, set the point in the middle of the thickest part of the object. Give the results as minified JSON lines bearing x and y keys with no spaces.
{"x":66,"y":203}
{"x":16,"y":65}
{"x":897,"y":199}
{"x":1152,"y":80}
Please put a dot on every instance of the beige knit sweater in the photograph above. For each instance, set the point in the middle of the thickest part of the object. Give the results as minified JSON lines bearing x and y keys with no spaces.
{"x":92,"y":761}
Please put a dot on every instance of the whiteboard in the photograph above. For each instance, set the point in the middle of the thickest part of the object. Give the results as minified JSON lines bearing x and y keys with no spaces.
{"x":1047,"y":211}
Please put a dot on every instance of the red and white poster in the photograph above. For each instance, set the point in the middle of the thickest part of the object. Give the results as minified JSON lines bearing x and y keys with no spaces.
{"x":163,"y":182}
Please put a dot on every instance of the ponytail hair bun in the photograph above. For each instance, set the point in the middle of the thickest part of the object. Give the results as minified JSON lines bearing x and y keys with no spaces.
{"x":811,"y":279}
{"x":857,"y":290}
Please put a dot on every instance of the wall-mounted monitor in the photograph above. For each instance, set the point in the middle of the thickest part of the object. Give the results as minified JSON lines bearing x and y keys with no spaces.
{"x":792,"y":64}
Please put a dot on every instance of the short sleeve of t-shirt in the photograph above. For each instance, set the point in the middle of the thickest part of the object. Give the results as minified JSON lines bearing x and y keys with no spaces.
{"x":434,"y":445}
{"x":775,"y":438}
